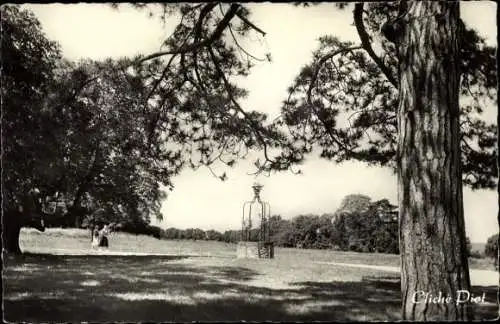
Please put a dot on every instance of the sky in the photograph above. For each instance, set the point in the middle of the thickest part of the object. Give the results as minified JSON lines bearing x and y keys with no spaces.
{"x":199,"y":199}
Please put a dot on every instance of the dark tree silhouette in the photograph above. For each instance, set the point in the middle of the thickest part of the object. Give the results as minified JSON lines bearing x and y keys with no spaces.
{"x":27,"y":64}
{"x":75,"y":133}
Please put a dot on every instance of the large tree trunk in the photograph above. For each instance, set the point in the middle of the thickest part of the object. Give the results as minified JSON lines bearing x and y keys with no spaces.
{"x":12,"y":223}
{"x":431,"y":219}
{"x":10,"y":234}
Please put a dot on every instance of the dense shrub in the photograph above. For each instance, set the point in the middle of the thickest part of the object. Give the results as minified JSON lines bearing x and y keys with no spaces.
{"x":171,"y":233}
{"x":476,"y":255}
{"x":142,"y":229}
{"x":369,"y":228}
{"x":386,"y":239}
{"x":231,"y":236}
{"x":491,"y":248}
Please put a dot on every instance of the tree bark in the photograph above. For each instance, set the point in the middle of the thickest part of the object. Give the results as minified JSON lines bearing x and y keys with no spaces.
{"x":12,"y":223}
{"x":431,"y":220}
{"x":11,"y":228}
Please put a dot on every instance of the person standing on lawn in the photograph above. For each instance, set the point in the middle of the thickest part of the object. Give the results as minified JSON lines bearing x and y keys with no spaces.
{"x":103,"y":234}
{"x":95,"y":238}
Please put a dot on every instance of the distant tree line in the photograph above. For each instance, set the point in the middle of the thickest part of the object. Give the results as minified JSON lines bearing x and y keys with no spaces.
{"x":358,"y":225}
{"x":305,"y":231}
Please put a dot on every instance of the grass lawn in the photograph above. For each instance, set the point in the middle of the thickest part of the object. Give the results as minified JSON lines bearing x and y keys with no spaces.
{"x":54,"y":239}
{"x":214,"y":286}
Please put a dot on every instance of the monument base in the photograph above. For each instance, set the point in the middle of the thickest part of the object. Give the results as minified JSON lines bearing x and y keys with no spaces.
{"x":255,"y":250}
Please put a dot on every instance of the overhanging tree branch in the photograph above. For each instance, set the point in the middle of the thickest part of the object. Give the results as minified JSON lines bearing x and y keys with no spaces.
{"x":203,"y":13}
{"x":238,"y":107}
{"x":206,"y":42}
{"x":313,"y":81}
{"x":322,"y":61}
{"x":365,"y":42}
{"x":241,"y":47}
{"x":157,"y":82}
{"x":76,"y":92}
{"x":249,"y":23}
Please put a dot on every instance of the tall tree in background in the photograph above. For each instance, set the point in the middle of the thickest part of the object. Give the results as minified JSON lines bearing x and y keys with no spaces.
{"x":363,"y":225}
{"x":354,"y":102}
{"x":354,"y":203}
{"x":111,"y":161}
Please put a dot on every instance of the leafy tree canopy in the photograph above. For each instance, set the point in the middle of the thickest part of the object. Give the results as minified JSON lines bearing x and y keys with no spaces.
{"x":78,"y":133}
{"x":362,"y":225}
{"x":343,"y":103}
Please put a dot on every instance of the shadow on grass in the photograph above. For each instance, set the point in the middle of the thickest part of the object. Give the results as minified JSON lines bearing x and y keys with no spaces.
{"x":52,"y":288}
